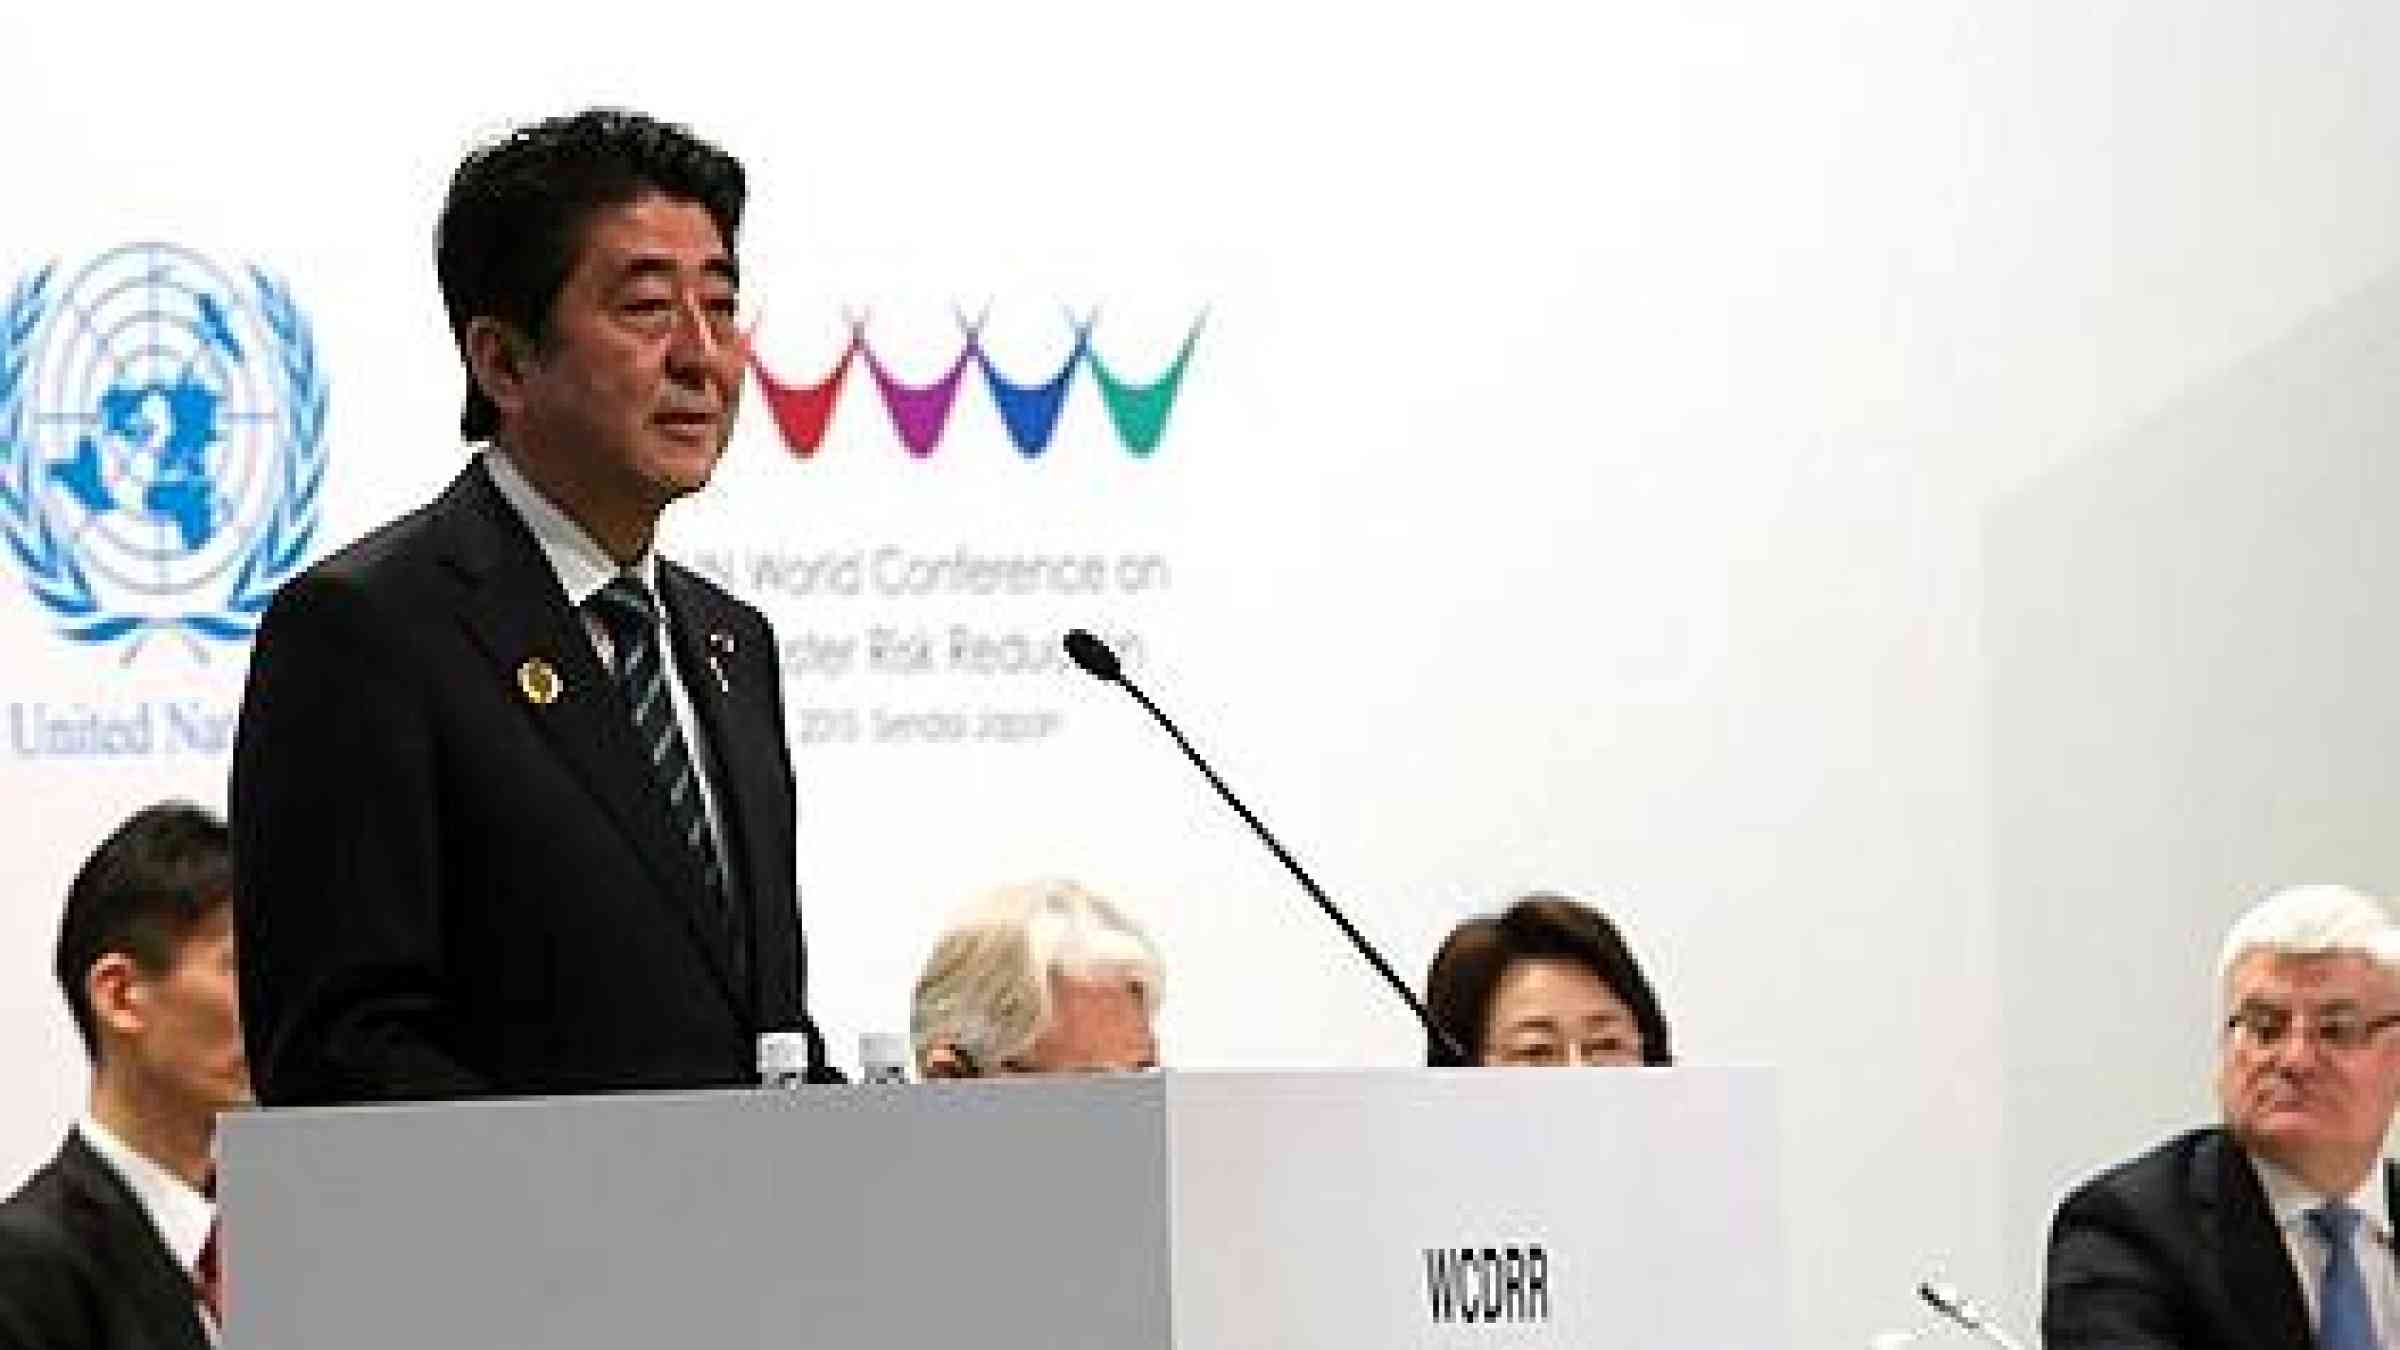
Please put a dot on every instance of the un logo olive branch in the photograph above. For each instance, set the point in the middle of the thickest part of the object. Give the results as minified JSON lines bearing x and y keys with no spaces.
{"x":283,"y":542}
{"x":52,"y":571}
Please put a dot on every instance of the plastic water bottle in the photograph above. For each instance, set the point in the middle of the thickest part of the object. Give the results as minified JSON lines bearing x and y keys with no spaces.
{"x":782,"y":1059}
{"x":882,"y":1057}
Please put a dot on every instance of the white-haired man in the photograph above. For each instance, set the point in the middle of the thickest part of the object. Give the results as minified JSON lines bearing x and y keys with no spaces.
{"x":1039,"y":978}
{"x":2274,"y":1230}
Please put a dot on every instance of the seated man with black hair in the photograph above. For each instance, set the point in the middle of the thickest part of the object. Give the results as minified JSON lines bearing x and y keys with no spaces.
{"x":113,"y":1244}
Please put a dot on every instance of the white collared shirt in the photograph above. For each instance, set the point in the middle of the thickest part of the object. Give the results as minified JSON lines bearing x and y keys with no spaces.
{"x":2290,"y":1199}
{"x":181,"y":1215}
{"x":583,"y":567}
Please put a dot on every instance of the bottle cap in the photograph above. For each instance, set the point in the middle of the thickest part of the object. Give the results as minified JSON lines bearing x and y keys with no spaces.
{"x":782,"y":1054}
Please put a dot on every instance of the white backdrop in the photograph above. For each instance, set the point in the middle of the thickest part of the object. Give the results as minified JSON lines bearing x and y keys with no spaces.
{"x":1885,"y":497}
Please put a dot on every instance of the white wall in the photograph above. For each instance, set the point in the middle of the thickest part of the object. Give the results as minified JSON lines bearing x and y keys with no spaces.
{"x":1883,"y":496}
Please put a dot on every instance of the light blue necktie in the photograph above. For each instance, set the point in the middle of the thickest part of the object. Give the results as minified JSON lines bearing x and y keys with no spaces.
{"x":2343,"y":1322}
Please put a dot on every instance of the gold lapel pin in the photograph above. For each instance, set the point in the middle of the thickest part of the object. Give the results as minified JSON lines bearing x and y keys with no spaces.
{"x":540,"y":682}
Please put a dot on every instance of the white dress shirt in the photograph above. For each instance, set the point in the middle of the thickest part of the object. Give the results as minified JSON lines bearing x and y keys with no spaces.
{"x":2290,"y":1199}
{"x":181,"y":1215}
{"x":583,"y":567}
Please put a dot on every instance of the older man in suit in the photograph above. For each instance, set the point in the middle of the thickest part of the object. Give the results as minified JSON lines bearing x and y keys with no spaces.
{"x":113,"y":1243}
{"x":1041,"y":977}
{"x":2273,"y":1232}
{"x":513,"y":805}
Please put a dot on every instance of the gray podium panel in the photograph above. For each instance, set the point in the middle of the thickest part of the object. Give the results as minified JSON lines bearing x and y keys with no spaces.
{"x":857,"y":1217}
{"x":1229,"y":1211}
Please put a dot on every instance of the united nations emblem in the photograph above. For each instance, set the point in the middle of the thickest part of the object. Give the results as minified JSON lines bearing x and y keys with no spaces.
{"x":161,"y":444}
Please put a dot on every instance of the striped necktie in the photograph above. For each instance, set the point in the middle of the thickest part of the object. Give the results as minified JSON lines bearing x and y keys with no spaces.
{"x":624,"y":606}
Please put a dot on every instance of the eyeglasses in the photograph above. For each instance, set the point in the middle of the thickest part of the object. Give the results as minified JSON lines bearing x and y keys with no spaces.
{"x":1015,"y":1067}
{"x":1547,"y":1053}
{"x":2264,"y":1027}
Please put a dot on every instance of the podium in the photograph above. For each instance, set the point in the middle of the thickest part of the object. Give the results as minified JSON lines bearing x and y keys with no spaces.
{"x":1233,"y":1211}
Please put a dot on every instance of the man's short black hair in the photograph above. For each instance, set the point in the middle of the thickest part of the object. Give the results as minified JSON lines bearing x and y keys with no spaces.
{"x":517,"y":211}
{"x":1467,"y":970}
{"x":154,"y":880}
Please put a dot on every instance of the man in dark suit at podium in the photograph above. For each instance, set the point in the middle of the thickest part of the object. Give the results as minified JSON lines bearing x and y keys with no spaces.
{"x":512,"y":800}
{"x":113,"y":1243}
{"x":2275,"y":1231}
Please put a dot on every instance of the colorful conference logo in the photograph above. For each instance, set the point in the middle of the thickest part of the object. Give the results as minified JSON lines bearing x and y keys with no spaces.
{"x":162,"y":444}
{"x":1030,"y":409}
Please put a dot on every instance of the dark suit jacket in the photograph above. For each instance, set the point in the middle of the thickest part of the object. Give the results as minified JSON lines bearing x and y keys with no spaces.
{"x":82,"y":1269}
{"x":449,"y":886}
{"x":2176,"y":1248}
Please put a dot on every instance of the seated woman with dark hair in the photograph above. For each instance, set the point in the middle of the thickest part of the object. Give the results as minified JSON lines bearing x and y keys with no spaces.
{"x":1547,"y":982}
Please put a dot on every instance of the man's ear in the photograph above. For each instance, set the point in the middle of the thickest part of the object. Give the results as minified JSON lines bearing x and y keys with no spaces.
{"x":118,"y":994}
{"x":499,"y":357}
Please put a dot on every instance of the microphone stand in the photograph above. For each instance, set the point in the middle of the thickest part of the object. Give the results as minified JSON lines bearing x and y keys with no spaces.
{"x":1101,"y":664}
{"x":1945,"y":1299}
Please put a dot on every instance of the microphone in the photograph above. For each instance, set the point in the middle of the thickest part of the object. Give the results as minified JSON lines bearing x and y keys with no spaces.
{"x":1945,"y":1299}
{"x":1099,"y":662}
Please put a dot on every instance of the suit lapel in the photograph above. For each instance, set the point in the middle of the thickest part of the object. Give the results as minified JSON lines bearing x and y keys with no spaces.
{"x":116,"y":1223}
{"x":738,"y":732}
{"x":2257,"y":1266}
{"x":512,"y":604}
{"x":2391,"y":1198}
